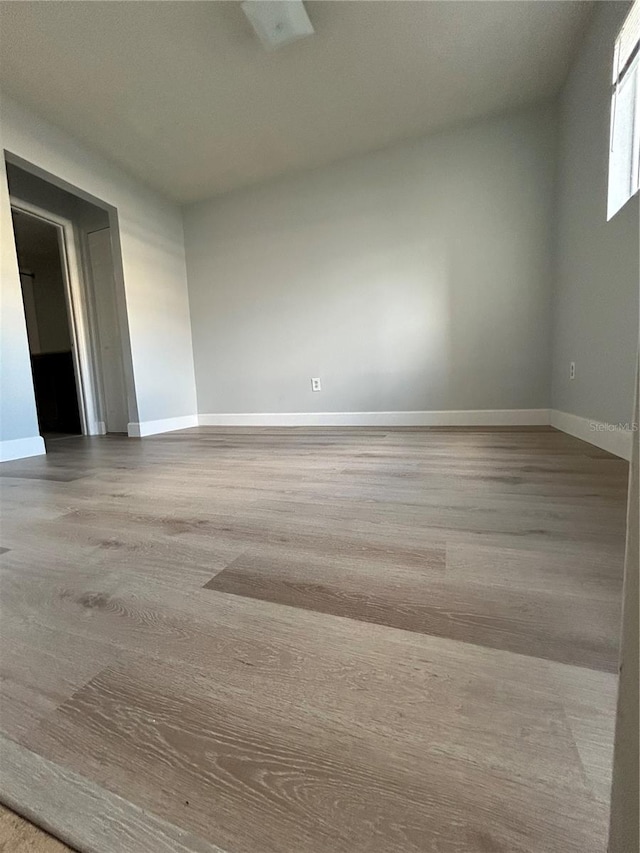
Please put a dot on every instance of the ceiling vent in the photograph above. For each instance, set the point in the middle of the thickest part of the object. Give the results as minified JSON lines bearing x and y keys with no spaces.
{"x":278,"y":22}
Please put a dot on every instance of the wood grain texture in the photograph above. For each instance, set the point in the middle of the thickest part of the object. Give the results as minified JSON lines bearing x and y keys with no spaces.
{"x":290,"y":775}
{"x":98,"y":819}
{"x":547,"y":624}
{"x":406,"y":642}
{"x":17,"y":835}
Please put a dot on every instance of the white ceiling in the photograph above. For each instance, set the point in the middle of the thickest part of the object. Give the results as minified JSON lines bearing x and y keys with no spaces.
{"x":183,"y":95}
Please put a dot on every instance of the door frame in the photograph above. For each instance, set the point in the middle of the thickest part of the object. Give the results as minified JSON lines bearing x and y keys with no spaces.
{"x":79,"y":314}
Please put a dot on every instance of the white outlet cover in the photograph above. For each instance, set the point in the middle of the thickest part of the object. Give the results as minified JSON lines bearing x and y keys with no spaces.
{"x":316,"y":385}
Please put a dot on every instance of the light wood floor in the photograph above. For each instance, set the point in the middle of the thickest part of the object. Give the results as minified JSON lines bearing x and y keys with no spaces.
{"x":19,"y":836}
{"x":312,"y":641}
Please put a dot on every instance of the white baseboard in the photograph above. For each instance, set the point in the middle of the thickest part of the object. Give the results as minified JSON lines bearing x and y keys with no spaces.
{"x":97,"y":428}
{"x":610,"y":437}
{"x":21,"y":448}
{"x":470,"y":417}
{"x":139,"y":430}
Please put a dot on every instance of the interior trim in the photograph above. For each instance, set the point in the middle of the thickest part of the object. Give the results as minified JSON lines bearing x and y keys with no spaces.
{"x":615,"y":438}
{"x":463,"y":417}
{"x":142,"y":428}
{"x":21,"y":448}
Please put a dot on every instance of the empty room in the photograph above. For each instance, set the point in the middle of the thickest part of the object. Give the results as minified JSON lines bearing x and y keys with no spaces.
{"x":319,"y":426}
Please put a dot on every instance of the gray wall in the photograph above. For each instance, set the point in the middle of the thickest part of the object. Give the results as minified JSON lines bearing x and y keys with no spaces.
{"x":39,"y":256}
{"x":51,"y":309}
{"x":18,"y":419}
{"x":417,"y":278}
{"x":596,"y":298}
{"x":153,"y":267}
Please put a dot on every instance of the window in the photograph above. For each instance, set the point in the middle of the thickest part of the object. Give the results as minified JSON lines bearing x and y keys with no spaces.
{"x":624,"y":155}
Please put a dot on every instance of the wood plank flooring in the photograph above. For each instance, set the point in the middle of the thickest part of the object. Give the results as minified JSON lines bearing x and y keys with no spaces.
{"x":19,"y":836}
{"x":312,"y":641}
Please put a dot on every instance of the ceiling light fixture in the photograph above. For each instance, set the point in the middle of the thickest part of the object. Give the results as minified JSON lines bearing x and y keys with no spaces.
{"x":278,"y":22}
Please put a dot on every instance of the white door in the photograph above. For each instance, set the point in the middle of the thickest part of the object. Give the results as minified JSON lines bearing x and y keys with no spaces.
{"x":110,"y":345}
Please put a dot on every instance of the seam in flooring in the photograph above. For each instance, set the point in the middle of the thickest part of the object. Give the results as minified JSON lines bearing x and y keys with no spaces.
{"x":201,"y":648}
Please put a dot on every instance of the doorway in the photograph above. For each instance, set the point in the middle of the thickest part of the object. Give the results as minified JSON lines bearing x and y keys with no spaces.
{"x":73,"y":296}
{"x":44,"y":283}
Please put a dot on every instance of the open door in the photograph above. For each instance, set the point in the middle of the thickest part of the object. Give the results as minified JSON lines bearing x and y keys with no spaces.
{"x":49,"y":324}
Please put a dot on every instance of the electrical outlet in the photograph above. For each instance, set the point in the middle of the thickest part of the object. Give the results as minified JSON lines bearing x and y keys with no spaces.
{"x":316,"y":385}
{"x":572,"y":370}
